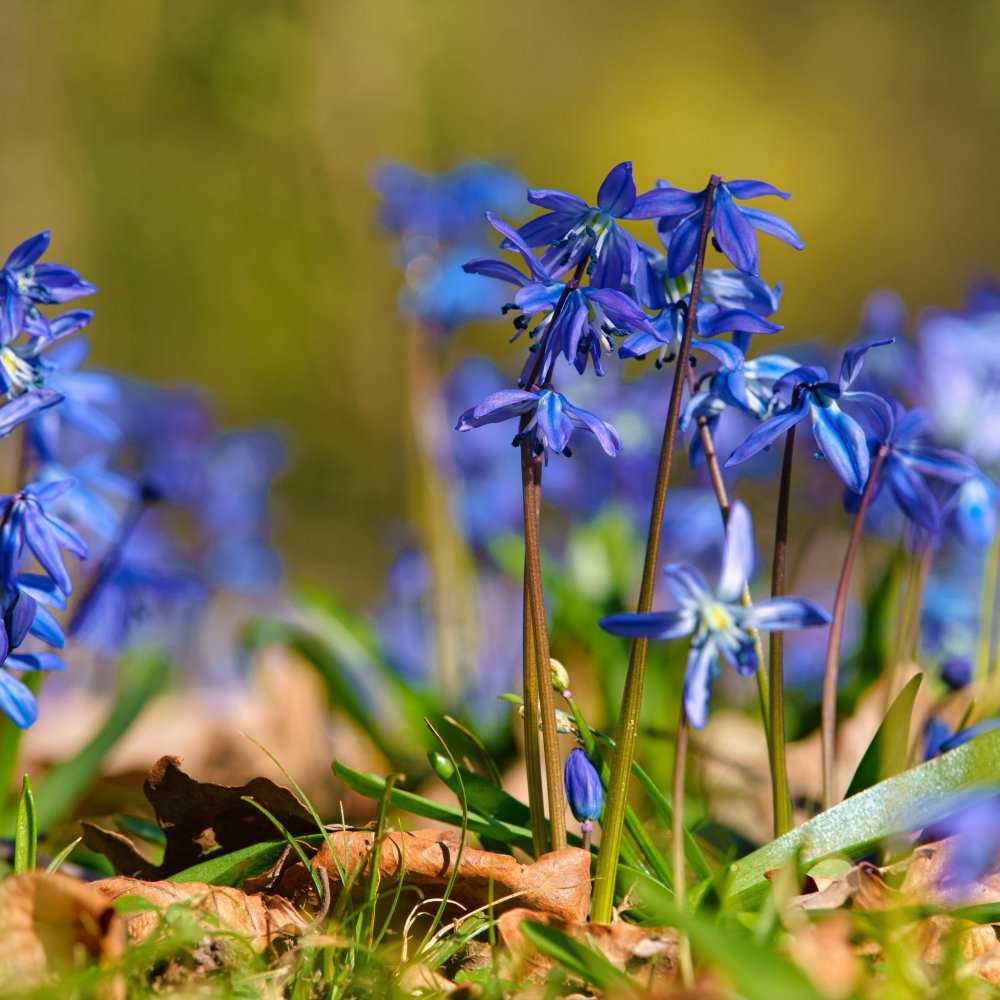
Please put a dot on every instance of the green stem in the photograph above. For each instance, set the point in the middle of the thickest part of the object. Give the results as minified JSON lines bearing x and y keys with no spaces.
{"x":984,"y":661}
{"x":531,"y":465}
{"x":677,"y":840}
{"x":633,"y":824}
{"x":780,"y":797}
{"x":828,"y":718}
{"x":628,"y":720}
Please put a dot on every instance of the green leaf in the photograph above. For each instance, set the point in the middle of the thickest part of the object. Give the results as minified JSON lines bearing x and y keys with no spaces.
{"x":582,"y":961}
{"x":57,"y":862}
{"x":886,"y":754}
{"x":906,"y":802}
{"x":25,"y":831}
{"x":757,"y":973}
{"x":235,"y":867}
{"x":144,"y":675}
{"x":373,"y":786}
{"x":484,"y":797}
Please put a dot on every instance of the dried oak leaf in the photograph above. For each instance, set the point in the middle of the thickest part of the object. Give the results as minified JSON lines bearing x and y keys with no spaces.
{"x":198,"y":817}
{"x":261,"y":919}
{"x":861,"y":888}
{"x":557,"y":883}
{"x":647,"y":954}
{"x":46,"y":921}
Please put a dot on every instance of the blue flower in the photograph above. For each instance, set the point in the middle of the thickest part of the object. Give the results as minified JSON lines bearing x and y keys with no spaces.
{"x":732,"y":225}
{"x":572,"y":229}
{"x":956,"y":672}
{"x":25,"y":284}
{"x":719,"y":625}
{"x":26,"y":522}
{"x":551,"y":420}
{"x":587,"y":320}
{"x":971,"y":850}
{"x":840,"y":438}
{"x":973,"y":512}
{"x":16,"y":700}
{"x":584,"y":792}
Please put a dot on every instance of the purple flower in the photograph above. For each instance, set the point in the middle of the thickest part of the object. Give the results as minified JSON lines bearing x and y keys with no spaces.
{"x":572,"y":230}
{"x":16,"y":699}
{"x":840,"y":438}
{"x":587,"y":319}
{"x":584,"y":792}
{"x":971,"y":846}
{"x":26,"y":284}
{"x":732,"y":225}
{"x":551,"y":420}
{"x":719,"y":624}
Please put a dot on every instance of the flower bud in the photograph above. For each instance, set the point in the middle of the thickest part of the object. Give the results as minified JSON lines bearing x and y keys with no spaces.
{"x":583,"y":787}
{"x":956,"y":672}
{"x":560,"y":676}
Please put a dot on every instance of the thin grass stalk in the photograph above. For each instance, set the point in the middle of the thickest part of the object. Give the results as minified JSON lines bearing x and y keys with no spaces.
{"x":628,"y":721}
{"x":985,"y":664}
{"x":780,"y":797}
{"x":677,"y":840}
{"x":828,"y":718}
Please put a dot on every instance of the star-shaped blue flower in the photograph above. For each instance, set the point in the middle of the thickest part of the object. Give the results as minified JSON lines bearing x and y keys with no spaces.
{"x":732,"y":225}
{"x":551,"y":422}
{"x":719,"y":624}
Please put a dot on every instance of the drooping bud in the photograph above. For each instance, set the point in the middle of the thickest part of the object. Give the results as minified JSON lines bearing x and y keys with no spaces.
{"x":560,"y":676}
{"x":583,"y":787}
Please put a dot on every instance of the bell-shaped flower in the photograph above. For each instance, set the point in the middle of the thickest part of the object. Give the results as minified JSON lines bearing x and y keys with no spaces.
{"x":16,"y":699}
{"x":549,"y":420}
{"x":733,"y":226}
{"x":584,"y":792}
{"x":575,"y":322}
{"x":840,"y":438}
{"x":720,"y":626}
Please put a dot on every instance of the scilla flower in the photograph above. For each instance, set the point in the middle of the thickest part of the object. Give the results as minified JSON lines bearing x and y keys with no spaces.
{"x":718,"y":624}
{"x":550,"y":424}
{"x":584,"y":791}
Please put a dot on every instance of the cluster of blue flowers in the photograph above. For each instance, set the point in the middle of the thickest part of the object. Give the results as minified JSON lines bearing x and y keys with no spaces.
{"x":109,"y":463}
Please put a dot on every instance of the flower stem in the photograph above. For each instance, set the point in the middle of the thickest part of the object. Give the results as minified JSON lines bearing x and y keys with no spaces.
{"x":828,"y":719}
{"x":677,"y":840}
{"x":628,"y":721}
{"x":722,"y":499}
{"x":985,"y":665}
{"x":781,"y":800}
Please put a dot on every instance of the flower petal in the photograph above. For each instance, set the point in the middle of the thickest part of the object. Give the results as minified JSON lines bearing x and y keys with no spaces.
{"x":557,"y":201}
{"x":617,"y":194}
{"x":754,"y":189}
{"x":768,"y":432}
{"x":16,"y":701}
{"x":697,"y":680}
{"x":497,"y":406}
{"x":26,"y":253}
{"x":779,"y":613}
{"x":734,"y":233}
{"x":737,"y":554}
{"x":843,"y":444}
{"x":773,"y":225}
{"x":654,"y":625}
{"x":665,"y":200}
{"x":912,"y":494}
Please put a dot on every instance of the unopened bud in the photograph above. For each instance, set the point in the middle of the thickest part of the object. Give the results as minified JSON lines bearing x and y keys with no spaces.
{"x":560,"y":676}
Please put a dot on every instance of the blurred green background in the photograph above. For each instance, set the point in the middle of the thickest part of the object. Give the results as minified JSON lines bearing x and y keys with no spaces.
{"x":208,"y":165}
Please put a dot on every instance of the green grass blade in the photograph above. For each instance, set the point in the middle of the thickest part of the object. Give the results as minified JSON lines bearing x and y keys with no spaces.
{"x":371,"y":889}
{"x":144,"y":675}
{"x":57,"y":862}
{"x":887,"y":752}
{"x":234,"y":867}
{"x":906,"y":802}
{"x":25,"y":831}
{"x":582,"y":961}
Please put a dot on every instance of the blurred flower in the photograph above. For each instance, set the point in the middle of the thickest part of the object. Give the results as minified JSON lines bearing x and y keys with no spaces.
{"x":972,"y":512}
{"x":956,"y":672}
{"x":719,"y":624}
{"x":551,"y":424}
{"x":732,"y":225}
{"x":972,"y":851}
{"x":27,"y":522}
{"x":16,"y":700}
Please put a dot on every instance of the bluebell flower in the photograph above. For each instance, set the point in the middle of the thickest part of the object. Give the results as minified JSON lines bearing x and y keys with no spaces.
{"x":840,"y":438}
{"x":26,"y":284}
{"x":551,"y":420}
{"x":572,"y":229}
{"x":972,"y":512}
{"x":584,"y":792}
{"x":910,"y":460}
{"x":719,"y":624}
{"x":16,"y":699}
{"x":936,"y":731}
{"x":732,"y":225}
{"x":587,"y":321}
{"x":956,"y":672}
{"x":26,"y":522}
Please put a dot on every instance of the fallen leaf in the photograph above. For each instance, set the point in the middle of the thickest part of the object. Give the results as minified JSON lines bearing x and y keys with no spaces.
{"x":261,"y":919}
{"x":926,"y":879}
{"x":557,"y":883}
{"x":861,"y":888}
{"x":47,"y":922}
{"x":649,"y":955}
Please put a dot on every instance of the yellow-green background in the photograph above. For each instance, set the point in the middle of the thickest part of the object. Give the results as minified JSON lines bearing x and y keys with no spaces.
{"x":207,"y":163}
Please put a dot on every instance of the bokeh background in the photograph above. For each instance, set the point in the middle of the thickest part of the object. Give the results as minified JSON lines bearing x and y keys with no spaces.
{"x":208,"y":164}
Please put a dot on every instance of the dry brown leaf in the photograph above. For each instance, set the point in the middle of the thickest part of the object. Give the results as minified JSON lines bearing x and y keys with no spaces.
{"x":262,"y":920}
{"x":926,"y":882}
{"x":648,"y":955}
{"x":557,"y":883}
{"x":46,"y":921}
{"x":824,"y":952}
{"x":200,"y":816}
{"x":861,"y":888}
